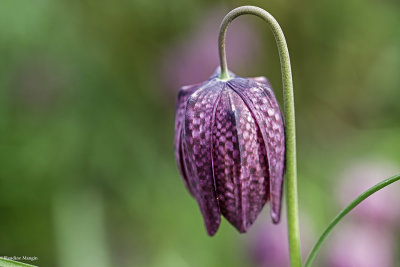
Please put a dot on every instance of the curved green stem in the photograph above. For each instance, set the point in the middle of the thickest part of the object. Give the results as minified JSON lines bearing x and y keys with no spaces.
{"x":291,"y":172}
{"x":10,"y":263}
{"x":344,"y":212}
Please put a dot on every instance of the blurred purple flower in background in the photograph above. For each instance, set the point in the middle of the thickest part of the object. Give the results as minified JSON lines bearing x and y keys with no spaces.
{"x":366,"y":237}
{"x":269,"y":246}
{"x":268,"y":243}
{"x":361,"y":245}
{"x":377,"y":208}
{"x":191,"y":60}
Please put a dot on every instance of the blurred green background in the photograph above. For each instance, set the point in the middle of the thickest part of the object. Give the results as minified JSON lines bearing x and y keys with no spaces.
{"x":87,"y":91}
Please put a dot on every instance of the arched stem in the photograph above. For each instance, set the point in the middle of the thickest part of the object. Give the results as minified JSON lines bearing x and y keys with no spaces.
{"x":291,"y":171}
{"x":344,"y":212}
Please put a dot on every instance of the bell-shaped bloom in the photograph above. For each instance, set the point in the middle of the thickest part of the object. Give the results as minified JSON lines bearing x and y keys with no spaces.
{"x":230,"y":149}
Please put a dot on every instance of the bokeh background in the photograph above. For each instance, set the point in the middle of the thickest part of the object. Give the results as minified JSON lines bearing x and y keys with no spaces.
{"x":87,"y":98}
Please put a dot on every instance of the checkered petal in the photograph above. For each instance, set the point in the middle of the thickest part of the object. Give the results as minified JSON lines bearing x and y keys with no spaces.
{"x":183,"y":95}
{"x":199,"y":118}
{"x":259,"y":97}
{"x":240,"y":168}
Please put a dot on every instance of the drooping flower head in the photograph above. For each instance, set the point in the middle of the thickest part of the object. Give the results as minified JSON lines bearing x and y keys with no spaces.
{"x":230,"y":149}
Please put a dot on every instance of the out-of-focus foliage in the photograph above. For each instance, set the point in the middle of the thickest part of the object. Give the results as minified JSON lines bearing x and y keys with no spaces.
{"x":88,"y":176}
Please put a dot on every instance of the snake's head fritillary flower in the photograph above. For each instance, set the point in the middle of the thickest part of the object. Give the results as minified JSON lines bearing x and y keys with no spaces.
{"x":230,"y":149}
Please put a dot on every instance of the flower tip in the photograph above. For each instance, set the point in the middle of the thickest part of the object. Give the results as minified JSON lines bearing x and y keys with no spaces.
{"x":276,"y":217}
{"x":211,"y":231}
{"x":243,"y":230}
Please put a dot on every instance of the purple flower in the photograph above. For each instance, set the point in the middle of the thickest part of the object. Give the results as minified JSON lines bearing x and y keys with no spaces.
{"x":230,"y":149}
{"x":376,"y":209}
{"x":366,"y":239}
{"x":363,"y":245}
{"x":268,"y":244}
